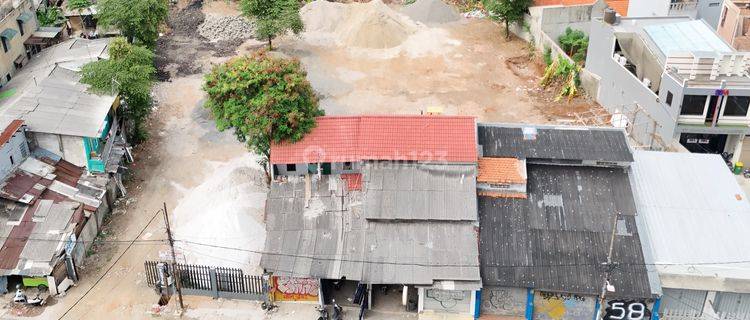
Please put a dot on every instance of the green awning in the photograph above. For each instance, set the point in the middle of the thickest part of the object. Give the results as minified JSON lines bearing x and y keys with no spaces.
{"x":25,"y":17}
{"x":8,"y":33}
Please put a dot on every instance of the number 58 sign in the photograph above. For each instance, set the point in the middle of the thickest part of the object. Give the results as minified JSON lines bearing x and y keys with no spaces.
{"x":627,"y":310}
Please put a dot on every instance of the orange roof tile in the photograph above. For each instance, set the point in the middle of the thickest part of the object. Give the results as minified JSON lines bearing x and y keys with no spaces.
{"x":620,"y":6}
{"x":562,"y":2}
{"x":501,"y":170}
{"x":9,"y":131}
{"x":409,"y":138}
{"x":501,"y":194}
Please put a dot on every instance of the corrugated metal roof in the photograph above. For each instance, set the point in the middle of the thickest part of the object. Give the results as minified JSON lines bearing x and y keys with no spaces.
{"x":554,"y":143}
{"x":397,"y":137}
{"x":420,"y":192}
{"x":49,"y":97}
{"x":702,"y":215}
{"x":331,"y":238}
{"x":558,"y":238}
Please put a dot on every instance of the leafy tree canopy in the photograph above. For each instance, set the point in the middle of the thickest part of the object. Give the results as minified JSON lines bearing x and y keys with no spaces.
{"x":78,"y":4}
{"x":273,"y":17}
{"x":129,"y":71}
{"x":50,"y":16}
{"x":136,"y":19}
{"x":507,"y":11}
{"x":264,"y":99}
{"x":574,"y":43}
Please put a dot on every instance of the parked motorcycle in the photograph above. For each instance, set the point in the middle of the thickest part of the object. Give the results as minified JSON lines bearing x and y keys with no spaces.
{"x":338,"y":312}
{"x":322,"y":311}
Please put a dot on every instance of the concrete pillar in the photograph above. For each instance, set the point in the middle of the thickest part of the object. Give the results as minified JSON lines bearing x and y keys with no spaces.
{"x":420,"y":301}
{"x":708,"y":309}
{"x":735,"y":147}
{"x":214,"y":282}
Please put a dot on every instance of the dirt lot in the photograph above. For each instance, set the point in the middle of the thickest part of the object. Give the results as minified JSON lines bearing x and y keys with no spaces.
{"x":464,"y":67}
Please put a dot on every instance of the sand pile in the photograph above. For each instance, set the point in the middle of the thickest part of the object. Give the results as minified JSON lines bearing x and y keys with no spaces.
{"x":224,"y":211}
{"x":431,"y":12}
{"x":364,"y":25}
{"x":217,"y":28}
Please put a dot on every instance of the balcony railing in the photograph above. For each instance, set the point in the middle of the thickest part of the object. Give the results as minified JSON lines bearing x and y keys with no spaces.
{"x":683,"y":6}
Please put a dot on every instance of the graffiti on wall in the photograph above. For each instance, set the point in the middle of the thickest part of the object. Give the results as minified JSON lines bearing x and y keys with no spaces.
{"x":295,"y":289}
{"x":627,"y":310}
{"x":562,"y":306}
{"x":504,"y":301}
{"x":453,"y":300}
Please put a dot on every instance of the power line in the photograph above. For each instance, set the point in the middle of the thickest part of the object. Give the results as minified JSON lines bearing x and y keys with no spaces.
{"x":87,"y":241}
{"x":455,"y":265}
{"x":111,"y":266}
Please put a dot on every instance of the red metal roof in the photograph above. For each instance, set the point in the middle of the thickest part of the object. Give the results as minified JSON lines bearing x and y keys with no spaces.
{"x":9,"y":131}
{"x":355,"y":138}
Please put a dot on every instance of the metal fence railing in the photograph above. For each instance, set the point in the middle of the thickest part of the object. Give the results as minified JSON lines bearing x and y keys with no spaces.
{"x":211,"y":281}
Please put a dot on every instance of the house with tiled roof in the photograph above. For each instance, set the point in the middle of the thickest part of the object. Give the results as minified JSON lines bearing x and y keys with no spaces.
{"x":377,"y":206}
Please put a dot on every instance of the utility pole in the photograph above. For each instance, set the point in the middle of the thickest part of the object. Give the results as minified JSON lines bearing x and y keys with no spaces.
{"x":175,"y":272}
{"x":609,"y":268}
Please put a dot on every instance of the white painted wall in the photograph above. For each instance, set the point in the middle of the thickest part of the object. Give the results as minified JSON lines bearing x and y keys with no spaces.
{"x":648,"y":8}
{"x":69,"y":148}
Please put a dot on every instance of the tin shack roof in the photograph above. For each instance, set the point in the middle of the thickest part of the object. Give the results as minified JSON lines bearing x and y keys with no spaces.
{"x":48,"y":96}
{"x":330,"y":234}
{"x":697,"y":227}
{"x":557,"y":143}
{"x":557,"y":239}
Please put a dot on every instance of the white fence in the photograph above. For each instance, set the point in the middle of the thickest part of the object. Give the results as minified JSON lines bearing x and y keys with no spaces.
{"x":695,"y":315}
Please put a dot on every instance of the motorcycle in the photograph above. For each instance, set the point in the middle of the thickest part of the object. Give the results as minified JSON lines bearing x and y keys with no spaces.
{"x":338,"y":312}
{"x":322,"y":311}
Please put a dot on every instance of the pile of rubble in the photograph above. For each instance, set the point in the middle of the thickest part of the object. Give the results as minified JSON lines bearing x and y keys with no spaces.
{"x":226,"y":28}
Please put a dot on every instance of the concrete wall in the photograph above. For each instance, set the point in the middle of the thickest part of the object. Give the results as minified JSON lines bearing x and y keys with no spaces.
{"x":302,"y":168}
{"x":16,"y":43}
{"x":18,"y":149}
{"x":447,"y":301}
{"x":710,"y":11}
{"x":557,"y":306}
{"x":69,"y":148}
{"x":620,"y":91}
{"x":504,"y":301}
{"x":731,"y":17}
{"x":648,"y":8}
{"x":647,"y":65}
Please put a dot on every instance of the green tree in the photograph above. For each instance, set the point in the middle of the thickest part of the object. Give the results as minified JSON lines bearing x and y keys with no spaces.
{"x":136,"y":19}
{"x":574,"y":43}
{"x":79,"y":6}
{"x":264,"y":99}
{"x":507,"y":11}
{"x":50,"y":16}
{"x":130,"y":72}
{"x":273,"y":17}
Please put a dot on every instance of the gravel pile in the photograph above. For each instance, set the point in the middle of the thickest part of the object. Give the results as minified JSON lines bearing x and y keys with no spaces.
{"x":226,"y":28}
{"x":431,"y":12}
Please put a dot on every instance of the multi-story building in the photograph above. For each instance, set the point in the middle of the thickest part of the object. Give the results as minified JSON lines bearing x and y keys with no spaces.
{"x":17,"y":25}
{"x":707,"y":10}
{"x":673,"y":79}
